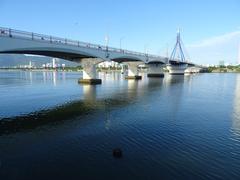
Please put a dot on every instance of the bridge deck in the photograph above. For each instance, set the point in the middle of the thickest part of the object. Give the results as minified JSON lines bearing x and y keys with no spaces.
{"x":7,"y":32}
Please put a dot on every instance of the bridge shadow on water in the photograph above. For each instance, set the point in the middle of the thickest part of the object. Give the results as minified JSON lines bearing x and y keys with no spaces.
{"x":91,"y":104}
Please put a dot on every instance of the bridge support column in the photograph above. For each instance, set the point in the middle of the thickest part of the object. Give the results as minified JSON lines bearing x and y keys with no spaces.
{"x":89,"y":71}
{"x":133,"y":70}
{"x":155,"y":70}
{"x":178,"y":69}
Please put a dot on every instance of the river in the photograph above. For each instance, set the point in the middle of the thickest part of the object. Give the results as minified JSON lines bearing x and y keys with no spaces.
{"x":177,"y":127}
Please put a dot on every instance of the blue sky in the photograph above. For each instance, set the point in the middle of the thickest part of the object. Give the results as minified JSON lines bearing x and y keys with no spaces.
{"x":210,"y":28}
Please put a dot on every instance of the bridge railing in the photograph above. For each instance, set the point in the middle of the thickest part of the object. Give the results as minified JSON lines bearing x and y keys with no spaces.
{"x":56,"y":40}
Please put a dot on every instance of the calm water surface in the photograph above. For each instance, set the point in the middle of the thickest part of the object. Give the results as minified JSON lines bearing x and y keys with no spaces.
{"x":173,"y":128}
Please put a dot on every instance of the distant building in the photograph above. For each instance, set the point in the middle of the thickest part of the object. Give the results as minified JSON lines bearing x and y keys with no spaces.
{"x":54,"y":65}
{"x":27,"y":66}
{"x":30,"y":64}
{"x":221,"y":63}
{"x":108,"y":64}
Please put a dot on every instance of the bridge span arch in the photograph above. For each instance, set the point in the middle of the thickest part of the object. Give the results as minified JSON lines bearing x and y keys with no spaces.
{"x":123,"y":59}
{"x":66,"y":54}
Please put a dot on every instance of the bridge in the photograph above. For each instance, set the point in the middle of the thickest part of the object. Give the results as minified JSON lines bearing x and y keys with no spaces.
{"x":88,"y":54}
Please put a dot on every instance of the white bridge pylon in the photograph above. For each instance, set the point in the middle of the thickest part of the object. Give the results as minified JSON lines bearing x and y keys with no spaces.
{"x":21,"y":42}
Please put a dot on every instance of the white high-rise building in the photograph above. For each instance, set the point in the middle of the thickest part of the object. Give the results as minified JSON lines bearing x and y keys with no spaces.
{"x":30,"y":64}
{"x":54,"y":65}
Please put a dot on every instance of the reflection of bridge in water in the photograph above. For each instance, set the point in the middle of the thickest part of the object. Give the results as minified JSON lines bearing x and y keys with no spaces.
{"x":94,"y":100}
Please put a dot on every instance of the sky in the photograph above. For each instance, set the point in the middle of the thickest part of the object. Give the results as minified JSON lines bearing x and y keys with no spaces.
{"x":210,"y":29}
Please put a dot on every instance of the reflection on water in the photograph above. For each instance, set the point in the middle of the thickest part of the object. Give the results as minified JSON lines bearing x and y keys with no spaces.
{"x":53,"y":76}
{"x":155,"y":82}
{"x":176,"y":127}
{"x":236,"y":108}
{"x":174,"y":79}
{"x":89,"y":101}
{"x":89,"y":93}
{"x":175,"y":97}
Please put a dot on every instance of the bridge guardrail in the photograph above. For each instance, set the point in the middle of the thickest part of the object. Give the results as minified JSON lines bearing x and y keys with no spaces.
{"x":56,"y":40}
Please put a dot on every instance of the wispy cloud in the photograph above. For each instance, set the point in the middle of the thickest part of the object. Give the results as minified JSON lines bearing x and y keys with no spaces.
{"x":211,"y":50}
{"x":217,"y":40}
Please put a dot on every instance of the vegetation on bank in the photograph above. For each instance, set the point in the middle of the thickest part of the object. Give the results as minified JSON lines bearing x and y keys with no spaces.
{"x":224,"y":69}
{"x":77,"y":68}
{"x":109,"y":68}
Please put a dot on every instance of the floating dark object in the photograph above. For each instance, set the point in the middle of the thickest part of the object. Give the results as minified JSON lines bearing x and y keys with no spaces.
{"x":117,"y":153}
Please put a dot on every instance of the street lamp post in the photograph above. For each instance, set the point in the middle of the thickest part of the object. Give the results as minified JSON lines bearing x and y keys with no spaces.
{"x":107,"y":40}
{"x":145,"y":48}
{"x":121,"y":42}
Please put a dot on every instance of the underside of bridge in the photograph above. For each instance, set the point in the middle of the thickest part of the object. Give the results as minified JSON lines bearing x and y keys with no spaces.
{"x":56,"y":54}
{"x":156,"y":62}
{"x":122,"y":60}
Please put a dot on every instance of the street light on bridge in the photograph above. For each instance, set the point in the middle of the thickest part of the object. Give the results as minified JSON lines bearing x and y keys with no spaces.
{"x":120,"y":42}
{"x":145,"y":48}
{"x":107,"y":40}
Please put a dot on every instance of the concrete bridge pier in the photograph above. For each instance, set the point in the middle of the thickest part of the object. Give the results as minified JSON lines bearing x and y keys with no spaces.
{"x":155,"y":70}
{"x":177,"y":69}
{"x":132,"y":72}
{"x":89,"y":71}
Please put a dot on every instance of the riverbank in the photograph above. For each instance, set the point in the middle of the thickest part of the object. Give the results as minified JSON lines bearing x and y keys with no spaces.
{"x":224,"y":69}
{"x":227,"y":69}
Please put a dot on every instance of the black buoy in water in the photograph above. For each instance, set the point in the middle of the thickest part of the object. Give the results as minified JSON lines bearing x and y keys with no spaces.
{"x":117,"y":153}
